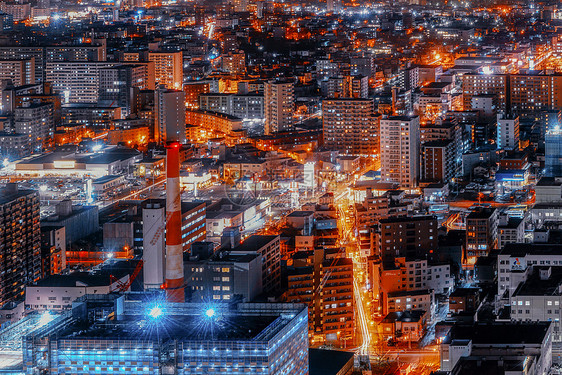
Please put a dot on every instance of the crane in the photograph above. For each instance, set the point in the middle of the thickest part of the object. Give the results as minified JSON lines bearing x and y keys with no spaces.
{"x":124,"y":286}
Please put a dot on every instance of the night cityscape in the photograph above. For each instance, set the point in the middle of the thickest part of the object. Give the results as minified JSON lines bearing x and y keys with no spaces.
{"x":277,"y":187}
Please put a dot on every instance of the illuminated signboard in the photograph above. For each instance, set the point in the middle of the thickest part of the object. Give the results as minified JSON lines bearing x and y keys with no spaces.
{"x":64,"y":164}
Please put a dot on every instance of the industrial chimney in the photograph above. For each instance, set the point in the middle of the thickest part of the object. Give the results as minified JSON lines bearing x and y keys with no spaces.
{"x":174,"y":250}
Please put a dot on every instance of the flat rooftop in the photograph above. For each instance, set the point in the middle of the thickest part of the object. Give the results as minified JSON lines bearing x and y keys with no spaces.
{"x":500,"y":333}
{"x":537,"y":286}
{"x":8,"y":195}
{"x":490,"y":366}
{"x":328,"y":362}
{"x":254,"y":243}
{"x":180,"y":327}
{"x":522,"y":249}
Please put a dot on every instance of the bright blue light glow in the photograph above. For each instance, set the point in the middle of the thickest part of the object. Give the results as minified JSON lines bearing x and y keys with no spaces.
{"x":155,"y":312}
{"x":45,"y":318}
{"x":210,"y":313}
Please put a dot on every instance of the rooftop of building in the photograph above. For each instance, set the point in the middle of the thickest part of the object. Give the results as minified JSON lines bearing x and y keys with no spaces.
{"x":542,"y":281}
{"x":549,"y":181}
{"x":512,"y":223}
{"x":255,"y":323}
{"x":300,"y":213}
{"x":481,"y":213}
{"x":407,"y":219}
{"x":101,"y":277}
{"x":522,"y":249}
{"x":437,"y":85}
{"x":500,"y":333}
{"x":546,"y":205}
{"x":328,"y":362}
{"x":106,"y":157}
{"x":255,"y":242}
{"x":215,"y":114}
{"x":463,"y":292}
{"x":189,"y":206}
{"x":182,"y":327}
{"x":104,"y":179}
{"x":400,"y":118}
{"x":404,"y":293}
{"x":404,"y":316}
{"x":11,"y":192}
{"x":492,"y":366}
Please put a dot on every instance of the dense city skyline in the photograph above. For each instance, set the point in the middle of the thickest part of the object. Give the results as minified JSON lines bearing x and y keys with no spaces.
{"x":280,"y":187}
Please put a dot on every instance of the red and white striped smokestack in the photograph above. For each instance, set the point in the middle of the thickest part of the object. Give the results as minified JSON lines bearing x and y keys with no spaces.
{"x":174,"y":249}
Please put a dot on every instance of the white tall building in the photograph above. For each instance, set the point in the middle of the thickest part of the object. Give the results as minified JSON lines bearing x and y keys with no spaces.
{"x":169,"y":106}
{"x":508,"y":132}
{"x":400,"y":150}
{"x":278,"y":105}
{"x":153,"y":227}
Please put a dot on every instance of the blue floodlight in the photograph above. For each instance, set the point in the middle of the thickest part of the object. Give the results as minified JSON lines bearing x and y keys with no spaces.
{"x":210,"y":312}
{"x":155,"y":312}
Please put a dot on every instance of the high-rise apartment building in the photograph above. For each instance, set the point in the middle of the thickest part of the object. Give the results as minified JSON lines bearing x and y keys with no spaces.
{"x":169,"y":108}
{"x":44,"y":55}
{"x":400,"y":145}
{"x":19,"y":72}
{"x":168,"y":68}
{"x":234,"y":63}
{"x":350,"y":126}
{"x":247,"y":106}
{"x":326,"y":285}
{"x":535,"y":92}
{"x":116,"y":83}
{"x":36,"y":120}
{"x":25,"y":53}
{"x":79,"y":81}
{"x":346,"y":87}
{"x":20,"y":241}
{"x":485,"y":84}
{"x":404,"y":236}
{"x":438,"y":161}
{"x":508,"y":132}
{"x":278,"y":106}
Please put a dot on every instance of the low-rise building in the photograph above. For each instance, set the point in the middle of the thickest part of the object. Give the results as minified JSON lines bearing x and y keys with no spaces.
{"x":510,"y":230}
{"x":222,"y":276}
{"x":538,"y":298}
{"x":410,"y":300}
{"x":532,"y":341}
{"x":514,"y":260}
{"x":214,"y":122}
{"x":57,"y":292}
{"x":464,"y":300}
{"x":404,"y":325}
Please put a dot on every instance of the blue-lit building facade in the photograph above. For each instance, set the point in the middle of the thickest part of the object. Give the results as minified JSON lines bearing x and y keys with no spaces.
{"x":553,"y":152}
{"x":238,"y":339}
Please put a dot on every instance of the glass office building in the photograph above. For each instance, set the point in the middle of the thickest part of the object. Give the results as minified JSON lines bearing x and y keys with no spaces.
{"x":182,"y":338}
{"x":553,"y":152}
